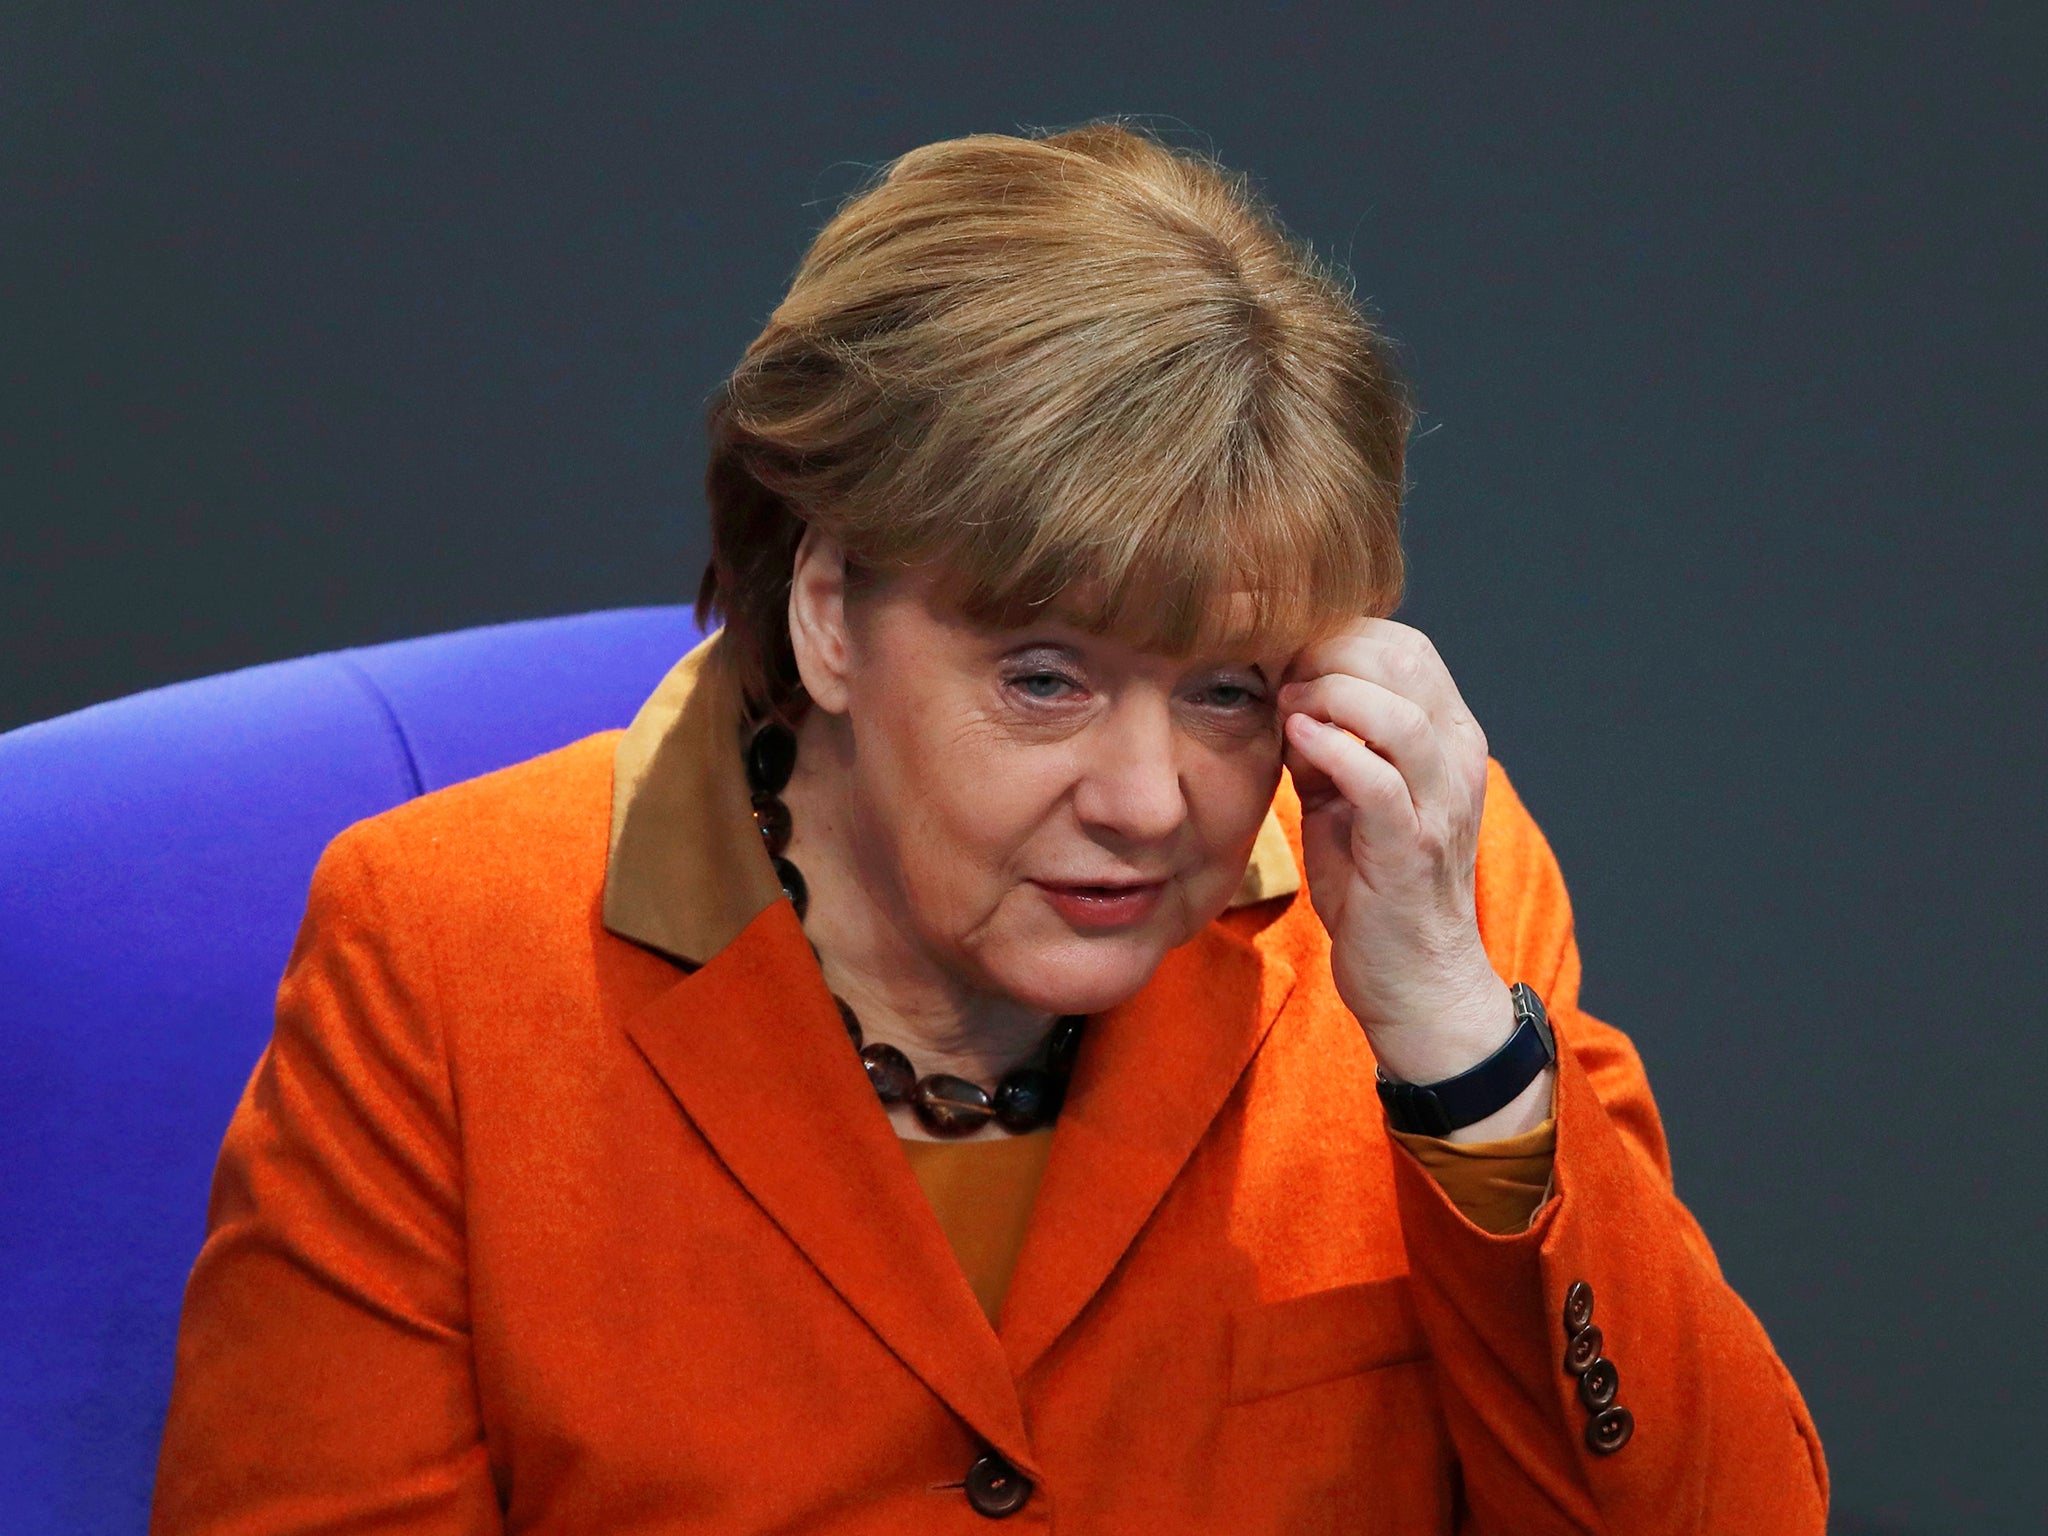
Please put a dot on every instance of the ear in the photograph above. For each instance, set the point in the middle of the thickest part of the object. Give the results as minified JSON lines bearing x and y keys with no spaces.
{"x":817,"y":620}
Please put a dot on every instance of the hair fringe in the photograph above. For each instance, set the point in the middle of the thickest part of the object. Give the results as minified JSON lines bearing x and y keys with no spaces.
{"x":1081,"y":373}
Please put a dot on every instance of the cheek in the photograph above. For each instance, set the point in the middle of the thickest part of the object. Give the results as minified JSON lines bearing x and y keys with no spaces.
{"x":961,"y":805}
{"x":1228,"y":795}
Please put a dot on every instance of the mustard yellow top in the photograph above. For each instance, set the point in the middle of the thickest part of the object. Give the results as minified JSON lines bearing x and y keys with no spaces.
{"x":983,"y":1191}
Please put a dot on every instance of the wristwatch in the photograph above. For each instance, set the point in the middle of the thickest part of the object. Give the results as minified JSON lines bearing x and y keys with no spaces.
{"x":1437,"y":1109}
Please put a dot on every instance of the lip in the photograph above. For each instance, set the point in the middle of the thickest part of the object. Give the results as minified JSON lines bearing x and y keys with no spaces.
{"x":1118,"y":904}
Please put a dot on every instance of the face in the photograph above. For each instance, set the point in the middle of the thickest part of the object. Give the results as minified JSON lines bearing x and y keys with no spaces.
{"x":1046,"y":812}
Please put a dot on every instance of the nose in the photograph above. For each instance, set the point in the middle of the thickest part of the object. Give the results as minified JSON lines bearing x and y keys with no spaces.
{"x":1130,"y":785}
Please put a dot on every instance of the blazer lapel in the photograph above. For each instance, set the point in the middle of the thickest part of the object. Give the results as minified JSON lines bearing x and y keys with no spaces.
{"x":1153,"y":1074}
{"x":754,"y":1052}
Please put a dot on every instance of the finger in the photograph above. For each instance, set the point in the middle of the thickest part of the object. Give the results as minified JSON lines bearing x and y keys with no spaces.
{"x":1397,"y":657}
{"x":1404,"y":660}
{"x":1382,"y":810}
{"x":1397,"y":728}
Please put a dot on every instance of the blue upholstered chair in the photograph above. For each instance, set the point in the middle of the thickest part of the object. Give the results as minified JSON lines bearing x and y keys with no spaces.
{"x":154,"y":857}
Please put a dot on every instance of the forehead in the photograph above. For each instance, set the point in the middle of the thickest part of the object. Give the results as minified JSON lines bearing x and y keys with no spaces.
{"x":1168,"y":619}
{"x":1235,"y":628}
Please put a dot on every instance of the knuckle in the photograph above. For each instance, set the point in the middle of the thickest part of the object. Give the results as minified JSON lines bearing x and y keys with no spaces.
{"x":1420,"y":646}
{"x":1379,"y":780}
{"x":1410,"y":718}
{"x":1403,"y":666}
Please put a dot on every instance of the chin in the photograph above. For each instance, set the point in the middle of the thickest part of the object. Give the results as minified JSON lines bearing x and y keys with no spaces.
{"x":1080,"y":975}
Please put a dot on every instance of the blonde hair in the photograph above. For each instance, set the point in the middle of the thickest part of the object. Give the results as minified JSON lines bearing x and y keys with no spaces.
{"x":1082,"y":370}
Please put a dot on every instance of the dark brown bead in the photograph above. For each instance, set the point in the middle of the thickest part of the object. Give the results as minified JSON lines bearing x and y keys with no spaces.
{"x":1063,"y":1045}
{"x":1583,"y":1350}
{"x":772,"y":817}
{"x":1598,"y":1383}
{"x":771,"y":758}
{"x":894,"y":1078}
{"x":1026,"y":1099}
{"x":995,"y":1488}
{"x":1578,"y":1306}
{"x":851,"y":1020}
{"x":1609,"y":1431}
{"x":951,"y":1106}
{"x":792,"y":881}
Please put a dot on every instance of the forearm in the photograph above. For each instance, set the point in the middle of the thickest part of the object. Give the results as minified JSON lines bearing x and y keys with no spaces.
{"x":1717,"y":1435}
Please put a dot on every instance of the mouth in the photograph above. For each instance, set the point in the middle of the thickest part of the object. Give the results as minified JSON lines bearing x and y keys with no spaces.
{"x":1121,"y":904}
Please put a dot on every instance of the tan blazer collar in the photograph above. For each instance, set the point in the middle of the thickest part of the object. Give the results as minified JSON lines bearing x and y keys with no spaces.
{"x":686,"y":871}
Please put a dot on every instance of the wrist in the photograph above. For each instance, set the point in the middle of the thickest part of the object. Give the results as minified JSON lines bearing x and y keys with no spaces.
{"x":1504,"y":1093}
{"x":1527,"y":1110}
{"x":1456,"y":1039}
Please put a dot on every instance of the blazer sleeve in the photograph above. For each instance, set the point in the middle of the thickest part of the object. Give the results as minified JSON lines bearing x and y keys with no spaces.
{"x":1721,"y":1440}
{"x":324,"y":1377}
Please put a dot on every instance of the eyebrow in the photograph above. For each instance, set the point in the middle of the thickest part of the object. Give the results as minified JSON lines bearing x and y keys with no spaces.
{"x":1064,"y":648}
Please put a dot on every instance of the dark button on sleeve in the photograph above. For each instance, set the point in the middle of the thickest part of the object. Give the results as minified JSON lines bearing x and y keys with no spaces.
{"x":995,"y":1488}
{"x":1583,"y":1350}
{"x":1598,"y":1383}
{"x":1609,"y":1431}
{"x":1578,"y":1307}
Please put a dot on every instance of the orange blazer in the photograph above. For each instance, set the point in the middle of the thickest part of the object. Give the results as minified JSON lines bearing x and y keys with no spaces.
{"x":524,"y":1226}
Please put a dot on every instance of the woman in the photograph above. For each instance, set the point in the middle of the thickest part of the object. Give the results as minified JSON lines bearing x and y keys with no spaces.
{"x":903,"y":1081}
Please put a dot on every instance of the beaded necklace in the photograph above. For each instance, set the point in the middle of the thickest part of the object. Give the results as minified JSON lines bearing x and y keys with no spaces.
{"x":1028,"y":1096}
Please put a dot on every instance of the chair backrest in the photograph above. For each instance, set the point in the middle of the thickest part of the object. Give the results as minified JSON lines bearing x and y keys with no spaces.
{"x":154,"y":859}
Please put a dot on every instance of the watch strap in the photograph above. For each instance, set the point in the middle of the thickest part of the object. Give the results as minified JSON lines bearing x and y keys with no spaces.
{"x":1437,"y":1109}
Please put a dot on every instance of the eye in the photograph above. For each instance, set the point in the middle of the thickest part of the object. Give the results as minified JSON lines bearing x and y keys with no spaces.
{"x":1230,"y":695}
{"x":1042,"y":685}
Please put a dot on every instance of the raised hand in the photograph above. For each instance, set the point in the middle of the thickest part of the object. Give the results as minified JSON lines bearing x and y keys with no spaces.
{"x":1391,"y":768}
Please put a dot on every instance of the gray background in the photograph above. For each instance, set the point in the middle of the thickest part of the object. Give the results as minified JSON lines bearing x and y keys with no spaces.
{"x":320,"y":329}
